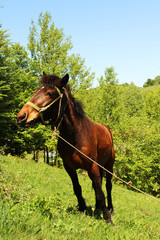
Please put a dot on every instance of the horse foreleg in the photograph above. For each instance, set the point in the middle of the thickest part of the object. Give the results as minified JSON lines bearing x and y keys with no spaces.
{"x":94,"y":175}
{"x":77,"y":188}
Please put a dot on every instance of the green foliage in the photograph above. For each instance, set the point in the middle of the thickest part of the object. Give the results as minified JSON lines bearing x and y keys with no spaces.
{"x":4,"y":41}
{"x":152,"y":104}
{"x":110,"y":77}
{"x":152,"y":82}
{"x":37,"y":202}
{"x":17,"y":83}
{"x":101,"y":103}
{"x":50,"y":52}
{"x":132,"y":100}
{"x":137,"y":154}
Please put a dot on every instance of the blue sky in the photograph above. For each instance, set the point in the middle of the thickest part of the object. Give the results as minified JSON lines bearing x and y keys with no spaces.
{"x":120,"y":33}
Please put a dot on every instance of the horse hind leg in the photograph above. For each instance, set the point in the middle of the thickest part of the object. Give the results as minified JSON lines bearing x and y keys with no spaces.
{"x":109,"y":189}
{"x":100,"y":198}
{"x":101,"y":174}
{"x":98,"y":203}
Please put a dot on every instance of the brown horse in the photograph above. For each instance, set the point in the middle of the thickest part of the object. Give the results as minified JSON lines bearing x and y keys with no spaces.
{"x":54,"y":102}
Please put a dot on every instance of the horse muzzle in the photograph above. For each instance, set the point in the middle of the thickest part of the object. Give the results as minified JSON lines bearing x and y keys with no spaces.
{"x":21,"y":119}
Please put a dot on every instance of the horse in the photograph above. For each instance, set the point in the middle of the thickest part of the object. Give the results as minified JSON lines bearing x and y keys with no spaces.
{"x":53,"y":103}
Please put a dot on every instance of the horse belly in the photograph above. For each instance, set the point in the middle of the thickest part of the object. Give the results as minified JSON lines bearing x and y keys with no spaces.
{"x":81,"y":160}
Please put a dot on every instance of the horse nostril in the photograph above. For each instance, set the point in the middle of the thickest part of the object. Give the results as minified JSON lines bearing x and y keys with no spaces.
{"x":22,"y":118}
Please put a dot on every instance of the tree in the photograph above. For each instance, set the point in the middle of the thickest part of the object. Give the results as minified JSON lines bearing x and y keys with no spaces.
{"x":110,"y":77}
{"x":157,"y":80}
{"x":109,"y":104}
{"x":152,"y":104}
{"x":4,"y":41}
{"x":133,"y":101}
{"x":4,"y":86}
{"x":50,"y":52}
{"x":152,"y":82}
{"x":16,"y":82}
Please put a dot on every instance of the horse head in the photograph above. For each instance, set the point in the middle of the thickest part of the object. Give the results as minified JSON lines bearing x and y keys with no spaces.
{"x":44,"y":105}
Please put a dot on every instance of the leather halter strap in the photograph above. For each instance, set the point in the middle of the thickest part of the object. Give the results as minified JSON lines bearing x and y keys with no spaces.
{"x":42,"y":109}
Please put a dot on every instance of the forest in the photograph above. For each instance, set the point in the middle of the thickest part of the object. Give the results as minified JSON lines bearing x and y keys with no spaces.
{"x":131,"y":112}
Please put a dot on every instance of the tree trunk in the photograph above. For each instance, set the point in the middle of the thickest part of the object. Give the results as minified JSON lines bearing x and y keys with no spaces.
{"x":47,"y":155}
{"x":44,"y":155}
{"x":37,"y":156}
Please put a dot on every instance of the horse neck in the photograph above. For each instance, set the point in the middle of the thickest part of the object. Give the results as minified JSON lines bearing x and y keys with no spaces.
{"x":71,"y":125}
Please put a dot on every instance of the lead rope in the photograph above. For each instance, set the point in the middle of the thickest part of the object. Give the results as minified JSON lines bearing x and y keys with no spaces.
{"x":115,"y":176}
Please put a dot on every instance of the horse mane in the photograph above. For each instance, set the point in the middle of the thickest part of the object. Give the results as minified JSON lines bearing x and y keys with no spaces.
{"x":78,"y":108}
{"x":52,"y":80}
{"x":49,"y":80}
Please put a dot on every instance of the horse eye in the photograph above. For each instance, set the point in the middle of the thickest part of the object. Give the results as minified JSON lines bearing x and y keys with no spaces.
{"x":49,"y":94}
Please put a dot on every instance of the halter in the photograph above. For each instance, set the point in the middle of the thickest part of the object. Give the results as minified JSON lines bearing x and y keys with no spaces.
{"x":42,"y":109}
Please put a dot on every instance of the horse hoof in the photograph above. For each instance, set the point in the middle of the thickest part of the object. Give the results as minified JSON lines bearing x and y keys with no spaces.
{"x":82,"y":208}
{"x":111,"y":211}
{"x":112,"y":224}
{"x":82,"y":214}
{"x":110,"y":221}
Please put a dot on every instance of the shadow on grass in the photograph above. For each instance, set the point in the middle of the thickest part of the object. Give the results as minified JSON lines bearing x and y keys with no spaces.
{"x":90,"y":211}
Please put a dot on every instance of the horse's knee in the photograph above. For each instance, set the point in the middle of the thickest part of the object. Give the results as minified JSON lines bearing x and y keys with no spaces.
{"x":100,"y":197}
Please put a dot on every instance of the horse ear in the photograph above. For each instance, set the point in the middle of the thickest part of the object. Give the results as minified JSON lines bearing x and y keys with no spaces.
{"x":64,"y":80}
{"x":44,"y":73}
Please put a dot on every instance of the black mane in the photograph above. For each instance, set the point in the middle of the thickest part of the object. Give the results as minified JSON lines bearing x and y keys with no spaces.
{"x":78,"y":108}
{"x":49,"y":80}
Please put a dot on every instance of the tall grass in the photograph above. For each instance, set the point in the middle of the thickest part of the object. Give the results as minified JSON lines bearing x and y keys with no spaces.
{"x":37,"y":202}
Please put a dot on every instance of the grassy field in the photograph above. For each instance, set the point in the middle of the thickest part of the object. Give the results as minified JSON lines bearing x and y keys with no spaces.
{"x":37,"y":202}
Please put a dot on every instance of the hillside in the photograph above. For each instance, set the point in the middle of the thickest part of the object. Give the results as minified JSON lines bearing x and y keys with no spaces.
{"x":37,"y":202}
{"x":150,"y":88}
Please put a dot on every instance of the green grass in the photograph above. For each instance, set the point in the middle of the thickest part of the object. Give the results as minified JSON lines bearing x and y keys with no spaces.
{"x":37,"y":202}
